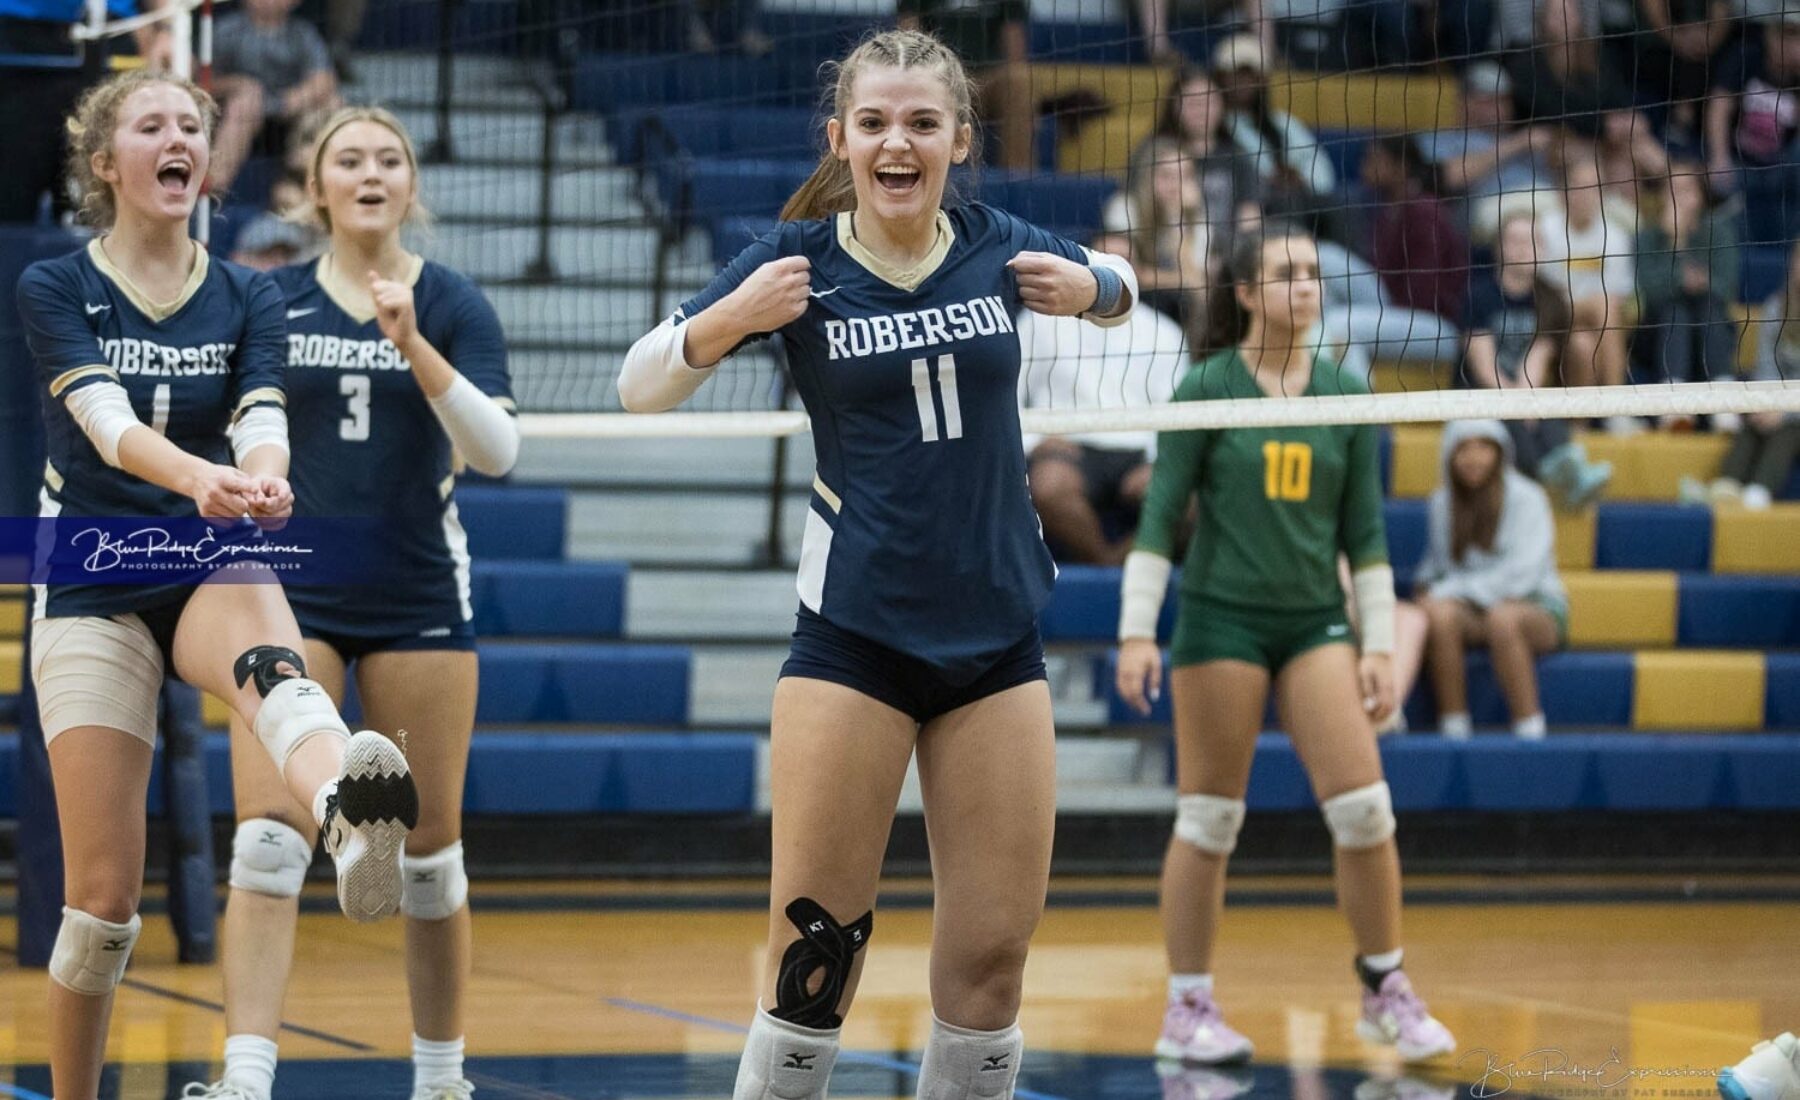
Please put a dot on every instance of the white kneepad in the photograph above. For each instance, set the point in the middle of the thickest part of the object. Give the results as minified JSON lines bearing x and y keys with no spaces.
{"x":435,"y":886}
{"x":270,"y":858}
{"x":1361,"y":818}
{"x":1208,"y":822}
{"x":293,"y":711}
{"x":90,"y":954}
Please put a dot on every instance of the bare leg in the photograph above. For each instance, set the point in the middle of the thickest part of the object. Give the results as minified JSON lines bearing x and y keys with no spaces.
{"x":1059,"y":491}
{"x":1450,"y":623}
{"x":1411,"y":627}
{"x":1517,"y":631}
{"x":1218,"y":712}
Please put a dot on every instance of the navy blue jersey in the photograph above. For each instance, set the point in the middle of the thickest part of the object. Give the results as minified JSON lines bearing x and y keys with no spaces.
{"x":921,"y":534}
{"x":188,"y":366}
{"x":366,"y":443}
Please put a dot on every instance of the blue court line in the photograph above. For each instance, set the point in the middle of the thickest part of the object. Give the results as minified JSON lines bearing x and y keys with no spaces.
{"x":22,"y":1094}
{"x":738,"y":1029}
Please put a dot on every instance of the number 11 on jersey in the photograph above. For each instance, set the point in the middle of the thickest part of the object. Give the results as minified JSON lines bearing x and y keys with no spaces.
{"x":946,"y":384}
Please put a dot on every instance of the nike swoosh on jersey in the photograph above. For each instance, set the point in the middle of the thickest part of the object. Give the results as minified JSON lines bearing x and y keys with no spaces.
{"x":293,"y":313}
{"x":823,"y":293}
{"x":93,"y":309}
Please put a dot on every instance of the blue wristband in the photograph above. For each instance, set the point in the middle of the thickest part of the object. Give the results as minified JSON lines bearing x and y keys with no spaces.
{"x":1108,"y":289}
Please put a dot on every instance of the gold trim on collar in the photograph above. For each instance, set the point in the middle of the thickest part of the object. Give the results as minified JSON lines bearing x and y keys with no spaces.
{"x":156,"y":311}
{"x":351,"y":294}
{"x":905,"y":279}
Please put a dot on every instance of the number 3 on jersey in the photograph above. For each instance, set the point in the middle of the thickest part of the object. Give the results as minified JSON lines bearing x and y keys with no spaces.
{"x":354,"y":428}
{"x":1287,"y":470}
{"x":946,"y":384}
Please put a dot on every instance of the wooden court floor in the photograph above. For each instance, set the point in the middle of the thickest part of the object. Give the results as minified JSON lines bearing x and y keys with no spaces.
{"x":1622,"y":988}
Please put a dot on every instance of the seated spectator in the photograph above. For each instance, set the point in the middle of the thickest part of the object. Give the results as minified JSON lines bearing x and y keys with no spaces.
{"x":1423,"y":260}
{"x":1193,"y":116}
{"x":1586,"y":253}
{"x":1516,"y":327}
{"x":1488,"y":579}
{"x":1687,"y":274}
{"x":1088,"y":488}
{"x":1297,"y":178}
{"x":991,"y":37}
{"x":1753,"y":126}
{"x":1362,"y":322}
{"x":1670,"y":56}
{"x":1491,"y":155}
{"x":1763,"y":450}
{"x":1162,"y":214}
{"x":271,"y":70}
{"x":270,"y":242}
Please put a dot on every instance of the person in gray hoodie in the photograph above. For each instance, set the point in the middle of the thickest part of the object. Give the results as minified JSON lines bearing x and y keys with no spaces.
{"x":1488,"y":579}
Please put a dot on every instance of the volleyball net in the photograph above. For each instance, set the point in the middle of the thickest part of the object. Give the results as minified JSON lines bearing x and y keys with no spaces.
{"x":1558,"y":210}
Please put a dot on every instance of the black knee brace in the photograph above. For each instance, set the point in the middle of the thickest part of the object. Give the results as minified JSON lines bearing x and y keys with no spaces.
{"x":262,"y":664}
{"x":825,"y":948}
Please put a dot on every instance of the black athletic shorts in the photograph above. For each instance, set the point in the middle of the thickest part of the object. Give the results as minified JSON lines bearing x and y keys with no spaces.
{"x":459,"y":637}
{"x":823,"y":651}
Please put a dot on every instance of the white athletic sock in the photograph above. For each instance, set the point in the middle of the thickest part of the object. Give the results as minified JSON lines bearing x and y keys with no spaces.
{"x":1384,"y":962}
{"x":1531,"y":727}
{"x":250,"y":1064}
{"x":436,"y":1063}
{"x":1456,"y":725}
{"x":319,"y":798}
{"x":784,"y":1061}
{"x":961,"y":1064}
{"x":1180,"y":985}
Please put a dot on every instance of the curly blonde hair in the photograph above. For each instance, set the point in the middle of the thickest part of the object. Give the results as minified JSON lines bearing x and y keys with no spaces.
{"x":314,"y":212}
{"x":90,"y":128}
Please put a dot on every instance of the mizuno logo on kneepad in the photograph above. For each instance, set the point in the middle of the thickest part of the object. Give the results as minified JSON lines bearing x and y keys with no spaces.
{"x":122,"y":944}
{"x":796,"y":1060}
{"x":994,"y":1062}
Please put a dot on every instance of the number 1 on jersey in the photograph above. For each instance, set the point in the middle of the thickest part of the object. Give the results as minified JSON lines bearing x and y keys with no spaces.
{"x":1287,"y":470}
{"x":354,"y":428}
{"x":946,"y":380}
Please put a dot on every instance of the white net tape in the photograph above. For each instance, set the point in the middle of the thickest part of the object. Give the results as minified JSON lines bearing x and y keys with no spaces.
{"x":1574,"y":403}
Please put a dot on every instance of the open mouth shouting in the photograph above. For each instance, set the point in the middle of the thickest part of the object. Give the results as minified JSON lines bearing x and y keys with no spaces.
{"x":175,"y":176}
{"x":897,"y":179}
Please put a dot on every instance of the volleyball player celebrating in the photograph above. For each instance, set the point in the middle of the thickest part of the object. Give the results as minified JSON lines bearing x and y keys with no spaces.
{"x":1261,"y":605}
{"x":922,"y":571}
{"x":163,"y":398}
{"x":395,"y":366}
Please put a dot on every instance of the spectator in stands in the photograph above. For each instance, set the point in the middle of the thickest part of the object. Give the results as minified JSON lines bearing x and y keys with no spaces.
{"x":1516,"y":327}
{"x":737,"y":23}
{"x":1163,"y":218}
{"x":1753,"y":126}
{"x":992,"y":39}
{"x":1763,"y":450}
{"x":1297,"y":176}
{"x":1491,"y":154}
{"x":1193,"y":115}
{"x":1585,"y":252}
{"x":1423,"y":260}
{"x":1688,"y":271}
{"x":1310,"y":34}
{"x":272,"y":70}
{"x":44,"y":75}
{"x":1670,"y":55}
{"x":270,"y":242}
{"x":1488,"y":579}
{"x":1088,"y":488}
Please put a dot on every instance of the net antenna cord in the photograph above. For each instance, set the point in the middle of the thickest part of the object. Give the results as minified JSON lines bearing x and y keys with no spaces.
{"x":1427,"y":406}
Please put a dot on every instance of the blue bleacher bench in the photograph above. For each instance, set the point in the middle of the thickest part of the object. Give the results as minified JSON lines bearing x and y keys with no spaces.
{"x":512,"y":521}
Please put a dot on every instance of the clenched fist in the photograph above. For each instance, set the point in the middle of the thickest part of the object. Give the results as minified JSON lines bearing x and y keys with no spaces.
{"x":1052,"y":285}
{"x":774,"y":295}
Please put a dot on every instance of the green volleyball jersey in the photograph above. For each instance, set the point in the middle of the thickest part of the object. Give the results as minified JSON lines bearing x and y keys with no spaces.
{"x":1276,"y":505}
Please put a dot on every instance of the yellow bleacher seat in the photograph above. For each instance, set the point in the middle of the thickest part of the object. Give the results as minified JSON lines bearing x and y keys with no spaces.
{"x":1621,"y":609}
{"x":1416,"y":466}
{"x":1575,"y":539}
{"x":1411,"y":376}
{"x":12,"y":667}
{"x":12,"y":618}
{"x":1650,"y":466}
{"x":1694,"y":689}
{"x":213,"y":711}
{"x":1757,"y":542}
{"x":12,"y":591}
{"x":1134,"y":93}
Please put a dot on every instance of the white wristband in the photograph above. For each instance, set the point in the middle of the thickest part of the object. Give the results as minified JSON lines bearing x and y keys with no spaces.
{"x":482,"y":432}
{"x":1374,"y":585}
{"x":103,"y":410}
{"x":258,"y":426}
{"x":1141,"y":594}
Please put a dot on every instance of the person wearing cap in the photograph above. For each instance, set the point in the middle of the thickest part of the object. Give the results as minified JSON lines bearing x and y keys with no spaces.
{"x":1298,"y":177}
{"x":44,"y":73}
{"x":1490,"y":154}
{"x":271,"y":241}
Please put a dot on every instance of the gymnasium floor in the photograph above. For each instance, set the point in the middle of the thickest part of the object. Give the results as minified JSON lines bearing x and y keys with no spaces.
{"x":1628,"y":988}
